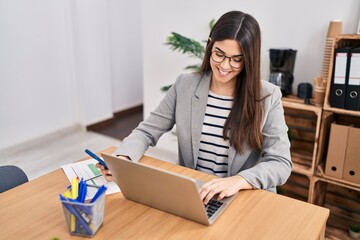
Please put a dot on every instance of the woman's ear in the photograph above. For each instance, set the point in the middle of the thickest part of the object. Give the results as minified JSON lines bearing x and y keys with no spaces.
{"x":209,"y":41}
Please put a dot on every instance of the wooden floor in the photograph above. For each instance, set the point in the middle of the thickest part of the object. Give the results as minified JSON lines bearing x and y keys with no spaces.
{"x":49,"y":154}
{"x":40,"y":156}
{"x":121,"y":125}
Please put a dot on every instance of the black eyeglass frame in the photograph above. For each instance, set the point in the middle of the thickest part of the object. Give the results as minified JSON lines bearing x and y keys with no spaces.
{"x":224,"y":57}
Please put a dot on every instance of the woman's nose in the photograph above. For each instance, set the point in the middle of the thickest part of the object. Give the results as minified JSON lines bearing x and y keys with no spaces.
{"x":225,"y":64}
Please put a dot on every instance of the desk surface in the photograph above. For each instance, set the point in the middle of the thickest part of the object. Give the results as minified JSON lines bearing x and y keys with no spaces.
{"x":33,"y":211}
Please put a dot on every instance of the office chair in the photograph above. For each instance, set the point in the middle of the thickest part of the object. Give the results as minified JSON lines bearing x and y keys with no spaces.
{"x":10,"y":177}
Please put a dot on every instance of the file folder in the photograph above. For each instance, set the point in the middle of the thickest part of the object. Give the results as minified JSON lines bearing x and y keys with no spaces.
{"x":352,"y":101}
{"x":351,"y":170}
{"x":336,"y":151}
{"x":340,"y":77}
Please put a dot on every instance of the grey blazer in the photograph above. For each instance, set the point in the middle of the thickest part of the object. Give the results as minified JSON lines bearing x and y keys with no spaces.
{"x":185,"y":104}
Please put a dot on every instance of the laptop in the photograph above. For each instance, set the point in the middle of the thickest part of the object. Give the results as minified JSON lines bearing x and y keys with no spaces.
{"x":164,"y":190}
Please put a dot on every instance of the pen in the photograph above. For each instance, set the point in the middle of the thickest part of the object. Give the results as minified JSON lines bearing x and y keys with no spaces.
{"x":74,"y":195}
{"x":91,"y":185}
{"x":93,"y":155}
{"x":74,"y":212}
{"x":93,"y":178}
{"x":75,"y":188}
{"x":83,"y":208}
{"x":82,"y":191}
{"x":69,"y":187}
{"x":98,"y":193}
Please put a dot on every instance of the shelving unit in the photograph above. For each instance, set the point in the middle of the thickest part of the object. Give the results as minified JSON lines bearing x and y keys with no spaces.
{"x":309,"y":181}
{"x":327,"y":119}
{"x":297,"y":186}
{"x":340,"y":196}
{"x":343,"y":202}
{"x":304,"y":123}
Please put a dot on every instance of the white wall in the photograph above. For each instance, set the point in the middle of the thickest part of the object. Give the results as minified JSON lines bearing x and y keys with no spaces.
{"x":68,"y":62}
{"x":126,"y":53}
{"x":60,"y":64}
{"x":36,"y":91}
{"x":89,"y":25}
{"x":300,"y":25}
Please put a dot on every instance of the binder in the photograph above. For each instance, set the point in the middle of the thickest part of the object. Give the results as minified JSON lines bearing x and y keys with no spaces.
{"x":352,"y":101}
{"x":351,"y":170}
{"x":340,"y":77}
{"x":336,"y":151}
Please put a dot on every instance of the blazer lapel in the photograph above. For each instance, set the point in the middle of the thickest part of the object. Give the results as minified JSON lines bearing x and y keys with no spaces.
{"x":198,"y":108}
{"x":231,"y":156}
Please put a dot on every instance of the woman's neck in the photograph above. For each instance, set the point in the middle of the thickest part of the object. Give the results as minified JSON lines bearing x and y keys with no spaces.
{"x":226,"y":89}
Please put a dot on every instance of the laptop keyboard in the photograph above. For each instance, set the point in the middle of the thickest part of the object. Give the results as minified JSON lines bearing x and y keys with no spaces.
{"x":212,"y":207}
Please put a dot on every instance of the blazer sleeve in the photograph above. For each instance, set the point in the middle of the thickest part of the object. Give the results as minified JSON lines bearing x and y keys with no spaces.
{"x":160,"y":121}
{"x":274,"y":166}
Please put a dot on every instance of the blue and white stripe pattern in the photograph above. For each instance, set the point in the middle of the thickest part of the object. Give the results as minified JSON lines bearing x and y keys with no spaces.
{"x":214,"y":150}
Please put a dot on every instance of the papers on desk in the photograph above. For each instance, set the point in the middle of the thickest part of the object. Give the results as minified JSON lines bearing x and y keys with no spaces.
{"x":87,"y":170}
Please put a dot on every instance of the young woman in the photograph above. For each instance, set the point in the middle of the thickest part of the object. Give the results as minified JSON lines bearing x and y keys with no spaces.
{"x":228,"y":121}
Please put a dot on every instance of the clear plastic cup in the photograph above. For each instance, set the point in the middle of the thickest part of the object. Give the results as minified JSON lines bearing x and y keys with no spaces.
{"x":84,"y":219}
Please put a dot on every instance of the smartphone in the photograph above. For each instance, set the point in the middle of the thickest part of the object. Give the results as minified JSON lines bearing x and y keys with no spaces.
{"x":93,"y":155}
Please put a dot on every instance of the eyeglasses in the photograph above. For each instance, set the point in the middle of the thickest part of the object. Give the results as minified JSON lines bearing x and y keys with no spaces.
{"x":219,"y":57}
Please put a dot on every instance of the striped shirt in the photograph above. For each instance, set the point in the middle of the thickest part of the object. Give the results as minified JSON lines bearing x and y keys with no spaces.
{"x":214,"y":150}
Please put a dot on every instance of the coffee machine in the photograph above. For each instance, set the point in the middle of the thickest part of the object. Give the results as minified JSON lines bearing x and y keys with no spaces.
{"x":282,"y":62}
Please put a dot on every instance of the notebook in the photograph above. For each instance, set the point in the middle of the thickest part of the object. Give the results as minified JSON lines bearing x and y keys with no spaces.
{"x":164,"y":190}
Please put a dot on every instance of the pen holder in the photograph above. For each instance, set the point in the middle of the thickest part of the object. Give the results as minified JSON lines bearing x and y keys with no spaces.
{"x":84,"y":219}
{"x":319,"y":95}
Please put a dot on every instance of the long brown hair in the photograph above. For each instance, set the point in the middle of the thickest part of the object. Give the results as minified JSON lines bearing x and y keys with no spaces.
{"x":243,"y":123}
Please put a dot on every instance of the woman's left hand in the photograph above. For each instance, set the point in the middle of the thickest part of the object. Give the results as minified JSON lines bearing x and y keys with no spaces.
{"x":224,"y":187}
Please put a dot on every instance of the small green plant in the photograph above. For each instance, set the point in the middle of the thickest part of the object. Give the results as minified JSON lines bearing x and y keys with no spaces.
{"x":354,"y":231}
{"x":188,"y":46}
{"x":191,"y":47}
{"x":291,"y":134}
{"x":280,"y":190}
{"x":185,"y":45}
{"x":355,"y":228}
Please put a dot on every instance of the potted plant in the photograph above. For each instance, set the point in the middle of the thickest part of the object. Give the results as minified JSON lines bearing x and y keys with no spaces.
{"x":354,"y":231}
{"x":188,"y":46}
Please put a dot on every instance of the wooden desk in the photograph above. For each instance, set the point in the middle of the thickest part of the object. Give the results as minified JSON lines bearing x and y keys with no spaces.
{"x":33,"y":211}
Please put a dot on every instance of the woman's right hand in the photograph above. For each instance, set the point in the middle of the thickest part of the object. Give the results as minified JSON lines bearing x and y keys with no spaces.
{"x":105,"y":172}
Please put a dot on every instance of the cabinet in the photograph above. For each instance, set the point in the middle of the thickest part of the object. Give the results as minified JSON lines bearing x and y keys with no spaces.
{"x":304,"y":123}
{"x":311,"y":128}
{"x":340,"y":196}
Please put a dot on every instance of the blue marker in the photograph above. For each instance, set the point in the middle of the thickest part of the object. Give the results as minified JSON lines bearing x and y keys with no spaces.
{"x":100,"y":191}
{"x":93,"y":155}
